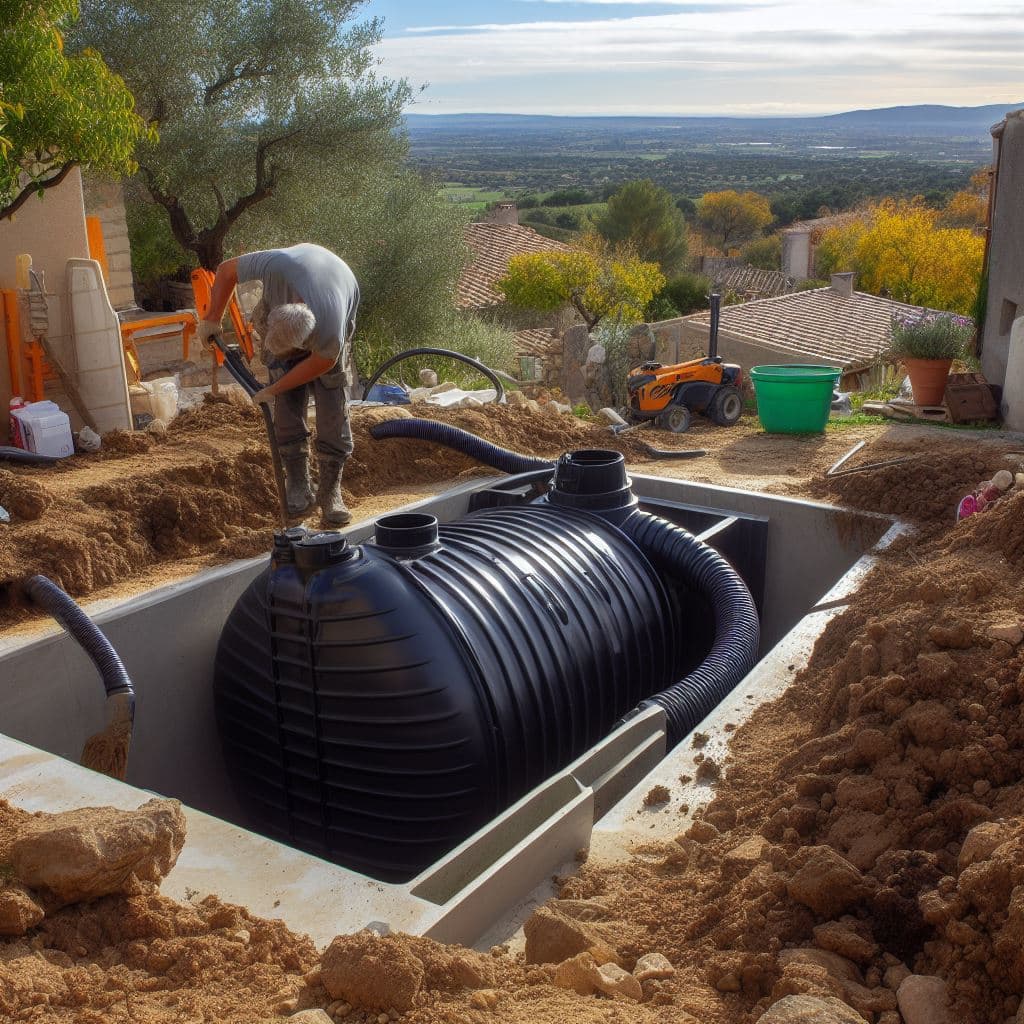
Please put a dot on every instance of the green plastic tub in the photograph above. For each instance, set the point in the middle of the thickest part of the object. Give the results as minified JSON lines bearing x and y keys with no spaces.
{"x":794,"y":399}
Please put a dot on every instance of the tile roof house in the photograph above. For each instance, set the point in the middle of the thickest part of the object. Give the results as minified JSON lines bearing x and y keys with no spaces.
{"x":493,"y":245}
{"x":833,"y":326}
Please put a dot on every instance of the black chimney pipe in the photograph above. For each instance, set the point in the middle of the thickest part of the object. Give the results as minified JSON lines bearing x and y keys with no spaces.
{"x":716,"y":306}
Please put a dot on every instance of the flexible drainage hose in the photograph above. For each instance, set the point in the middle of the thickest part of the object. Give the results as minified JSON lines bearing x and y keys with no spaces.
{"x":461,"y":441}
{"x":107,"y":750}
{"x":737,"y":629}
{"x":670,"y":548}
{"x":45,"y":593}
{"x":447,"y":353}
{"x":21,"y":455}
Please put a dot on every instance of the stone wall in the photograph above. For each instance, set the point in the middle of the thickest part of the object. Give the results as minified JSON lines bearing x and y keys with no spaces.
{"x":105,"y":200}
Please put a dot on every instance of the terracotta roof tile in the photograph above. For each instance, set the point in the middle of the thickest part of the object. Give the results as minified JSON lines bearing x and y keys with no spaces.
{"x":493,"y":245}
{"x":534,"y":342}
{"x":820,"y":324}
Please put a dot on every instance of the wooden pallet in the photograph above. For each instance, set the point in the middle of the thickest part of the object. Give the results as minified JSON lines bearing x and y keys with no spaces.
{"x":908,"y":412}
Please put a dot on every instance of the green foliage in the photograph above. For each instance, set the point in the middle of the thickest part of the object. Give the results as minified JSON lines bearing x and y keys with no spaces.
{"x":57,"y":111}
{"x":155,"y":252}
{"x":404,"y":244}
{"x":688,"y":292}
{"x":597,"y":284}
{"x":249,"y":95}
{"x":764,"y":253}
{"x":644,"y":217}
{"x":660,"y":308}
{"x":688,"y":208}
{"x":488,"y":343}
{"x":928,"y":335}
{"x":568,"y":197}
{"x":614,"y":336}
{"x":731,"y":218}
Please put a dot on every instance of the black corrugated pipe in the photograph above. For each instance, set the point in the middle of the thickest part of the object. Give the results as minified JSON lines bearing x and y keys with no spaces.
{"x":737,"y":629}
{"x":45,"y":593}
{"x":448,"y":354}
{"x":21,"y":455}
{"x":461,"y":441}
{"x":107,"y":750}
{"x":669,"y":548}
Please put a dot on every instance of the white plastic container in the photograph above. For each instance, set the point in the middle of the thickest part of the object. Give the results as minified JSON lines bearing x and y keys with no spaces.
{"x":155,"y":398}
{"x":45,"y":429}
{"x":99,"y":353}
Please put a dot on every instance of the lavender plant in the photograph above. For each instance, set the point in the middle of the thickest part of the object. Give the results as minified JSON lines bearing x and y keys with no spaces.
{"x":929,"y":335}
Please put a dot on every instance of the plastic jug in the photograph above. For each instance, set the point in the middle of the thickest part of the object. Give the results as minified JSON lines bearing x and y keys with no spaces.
{"x":46,"y":429}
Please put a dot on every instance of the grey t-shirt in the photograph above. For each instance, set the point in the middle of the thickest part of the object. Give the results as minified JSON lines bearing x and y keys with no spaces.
{"x":314,"y":275}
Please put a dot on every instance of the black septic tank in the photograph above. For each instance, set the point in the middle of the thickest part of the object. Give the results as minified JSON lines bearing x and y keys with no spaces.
{"x":379,"y":703}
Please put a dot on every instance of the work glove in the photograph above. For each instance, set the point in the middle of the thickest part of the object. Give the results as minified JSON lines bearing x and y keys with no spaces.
{"x":205,"y":330}
{"x":262,"y":397}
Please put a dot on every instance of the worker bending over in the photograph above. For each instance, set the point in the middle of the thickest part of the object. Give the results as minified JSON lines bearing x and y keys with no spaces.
{"x":304,"y":319}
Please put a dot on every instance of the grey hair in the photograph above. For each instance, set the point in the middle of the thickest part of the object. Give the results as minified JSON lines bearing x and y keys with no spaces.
{"x":288,"y":326}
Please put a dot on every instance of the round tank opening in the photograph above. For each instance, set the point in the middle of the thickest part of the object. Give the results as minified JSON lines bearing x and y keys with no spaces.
{"x":406,"y":531}
{"x":590,"y":472}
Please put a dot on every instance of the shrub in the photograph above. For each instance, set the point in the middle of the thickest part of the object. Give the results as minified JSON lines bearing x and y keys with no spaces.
{"x":929,"y":335}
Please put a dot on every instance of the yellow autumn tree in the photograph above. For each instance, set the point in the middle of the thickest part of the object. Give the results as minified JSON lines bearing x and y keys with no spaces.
{"x":731,"y":218}
{"x":968,"y":208}
{"x":596,"y":282}
{"x":900,"y":246}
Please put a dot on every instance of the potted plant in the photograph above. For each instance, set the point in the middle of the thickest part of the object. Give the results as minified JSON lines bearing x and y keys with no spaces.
{"x":927,"y":343}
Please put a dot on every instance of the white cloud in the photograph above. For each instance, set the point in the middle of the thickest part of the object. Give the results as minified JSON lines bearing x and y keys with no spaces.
{"x":804,"y":56}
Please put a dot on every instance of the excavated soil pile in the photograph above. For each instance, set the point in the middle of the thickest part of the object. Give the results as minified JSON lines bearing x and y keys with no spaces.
{"x":866,"y":835}
{"x":204,"y":490}
{"x":924,"y":489}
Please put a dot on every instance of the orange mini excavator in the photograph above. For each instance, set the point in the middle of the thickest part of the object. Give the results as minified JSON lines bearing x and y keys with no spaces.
{"x":671,"y":394}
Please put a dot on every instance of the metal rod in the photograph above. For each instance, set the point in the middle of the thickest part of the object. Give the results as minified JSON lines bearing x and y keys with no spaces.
{"x":849,"y":455}
{"x":716,"y":307}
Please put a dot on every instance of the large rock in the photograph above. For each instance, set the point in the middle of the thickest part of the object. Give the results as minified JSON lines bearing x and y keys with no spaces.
{"x":552,"y":937}
{"x":576,"y":343}
{"x":18,"y":911}
{"x":583,"y":975}
{"x":810,"y":1010}
{"x":96,"y":851}
{"x":371,"y":972}
{"x":924,"y":1000}
{"x":826,"y":883}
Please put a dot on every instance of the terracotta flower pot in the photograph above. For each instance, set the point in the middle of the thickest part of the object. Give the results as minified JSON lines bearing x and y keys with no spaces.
{"x":927,"y":379}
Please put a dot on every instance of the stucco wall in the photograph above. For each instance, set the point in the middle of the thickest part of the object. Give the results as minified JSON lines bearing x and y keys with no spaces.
{"x":1006,"y":252}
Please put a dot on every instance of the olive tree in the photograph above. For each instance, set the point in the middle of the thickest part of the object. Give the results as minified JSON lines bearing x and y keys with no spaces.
{"x":248,"y":97}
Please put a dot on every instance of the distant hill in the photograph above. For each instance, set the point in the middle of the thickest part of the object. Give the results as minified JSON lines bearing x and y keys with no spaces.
{"x":931,"y":118}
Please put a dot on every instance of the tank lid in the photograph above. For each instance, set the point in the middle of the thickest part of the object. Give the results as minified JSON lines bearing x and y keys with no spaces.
{"x":593,"y":480}
{"x":283,"y":541}
{"x":591,"y":471}
{"x":319,"y":550}
{"x":406,"y":533}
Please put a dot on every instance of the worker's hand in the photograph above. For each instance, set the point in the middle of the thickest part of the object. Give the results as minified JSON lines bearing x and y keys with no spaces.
{"x":205,"y":330}
{"x":262,"y":397}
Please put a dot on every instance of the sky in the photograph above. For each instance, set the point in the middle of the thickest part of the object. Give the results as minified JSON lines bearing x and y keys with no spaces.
{"x":701,"y":57}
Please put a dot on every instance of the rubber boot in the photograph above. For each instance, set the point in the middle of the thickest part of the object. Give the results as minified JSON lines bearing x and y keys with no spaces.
{"x":298,"y":494}
{"x":328,"y":497}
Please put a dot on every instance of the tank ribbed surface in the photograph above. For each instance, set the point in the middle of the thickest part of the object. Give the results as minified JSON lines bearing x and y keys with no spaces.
{"x":379,"y":710}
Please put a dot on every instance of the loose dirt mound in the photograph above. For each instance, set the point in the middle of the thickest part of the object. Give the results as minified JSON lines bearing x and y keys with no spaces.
{"x":924,"y":489}
{"x":205,"y":490}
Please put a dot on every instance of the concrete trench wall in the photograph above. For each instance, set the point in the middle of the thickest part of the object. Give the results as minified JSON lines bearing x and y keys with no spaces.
{"x":51,"y":700}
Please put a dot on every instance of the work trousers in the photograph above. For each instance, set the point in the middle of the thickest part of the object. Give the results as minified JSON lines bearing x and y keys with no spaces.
{"x":291,"y":408}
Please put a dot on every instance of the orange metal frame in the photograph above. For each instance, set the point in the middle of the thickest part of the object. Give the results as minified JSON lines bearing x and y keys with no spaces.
{"x":29,"y":369}
{"x":202,"y":288}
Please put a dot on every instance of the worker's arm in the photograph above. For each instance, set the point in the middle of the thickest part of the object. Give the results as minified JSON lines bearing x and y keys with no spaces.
{"x":223,"y":285}
{"x":309,"y":369}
